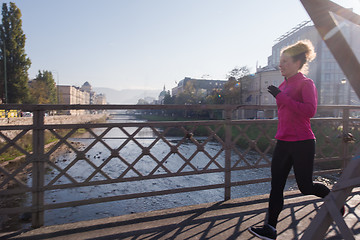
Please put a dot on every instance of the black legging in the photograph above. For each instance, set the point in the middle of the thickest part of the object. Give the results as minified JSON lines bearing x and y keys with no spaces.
{"x":300,"y":155}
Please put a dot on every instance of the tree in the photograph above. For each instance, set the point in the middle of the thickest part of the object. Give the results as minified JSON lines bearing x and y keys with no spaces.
{"x":216,"y":97}
{"x":168,"y":99}
{"x":142,"y":102}
{"x":239,"y":72}
{"x":12,"y":42}
{"x":43,"y":89}
{"x":189,"y":96}
{"x":232,"y":91}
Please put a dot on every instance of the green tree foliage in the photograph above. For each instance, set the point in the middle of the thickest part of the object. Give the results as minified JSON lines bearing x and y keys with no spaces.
{"x":188,"y":96}
{"x":216,"y":97}
{"x":168,"y":99}
{"x":233,"y":88}
{"x":12,"y":42}
{"x":43,"y":88}
{"x":142,"y":102}
{"x":232,"y":91}
{"x":239,"y":72}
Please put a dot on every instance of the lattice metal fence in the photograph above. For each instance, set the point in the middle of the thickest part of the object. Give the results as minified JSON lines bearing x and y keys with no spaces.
{"x":142,"y":151}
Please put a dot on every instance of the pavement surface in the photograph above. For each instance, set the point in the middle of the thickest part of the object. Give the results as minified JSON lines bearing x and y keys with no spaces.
{"x":218,"y":220}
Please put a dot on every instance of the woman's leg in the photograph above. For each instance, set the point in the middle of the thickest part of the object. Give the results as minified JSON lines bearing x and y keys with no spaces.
{"x":303,"y":156}
{"x":280,"y":168}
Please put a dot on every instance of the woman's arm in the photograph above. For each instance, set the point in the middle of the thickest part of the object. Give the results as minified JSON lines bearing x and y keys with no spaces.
{"x":306,"y":108}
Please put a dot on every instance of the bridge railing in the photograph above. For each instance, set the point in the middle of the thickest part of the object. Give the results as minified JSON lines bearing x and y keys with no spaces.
{"x":208,"y":140}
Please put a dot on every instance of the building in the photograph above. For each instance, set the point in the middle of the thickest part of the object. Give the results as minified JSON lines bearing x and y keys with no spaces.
{"x":94,"y":98}
{"x":86,"y":87}
{"x":333,"y":89}
{"x":100,"y":99}
{"x":255,"y":89}
{"x":76,"y":95}
{"x":201,"y":86}
{"x":324,"y":70}
{"x":161,"y":97}
{"x":73,"y":95}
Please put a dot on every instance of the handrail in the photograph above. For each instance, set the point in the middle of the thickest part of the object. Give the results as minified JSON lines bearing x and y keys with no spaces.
{"x":46,"y":107}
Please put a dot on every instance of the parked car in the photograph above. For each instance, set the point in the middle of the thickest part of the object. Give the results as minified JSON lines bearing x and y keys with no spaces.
{"x":27,"y":114}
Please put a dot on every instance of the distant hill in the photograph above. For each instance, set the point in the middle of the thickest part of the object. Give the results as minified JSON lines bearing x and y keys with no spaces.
{"x":127,"y":96}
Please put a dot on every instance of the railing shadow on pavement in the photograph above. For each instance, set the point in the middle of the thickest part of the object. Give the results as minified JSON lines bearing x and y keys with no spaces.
{"x":219,"y":220}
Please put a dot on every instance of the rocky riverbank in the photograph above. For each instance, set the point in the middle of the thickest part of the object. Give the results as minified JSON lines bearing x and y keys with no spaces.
{"x":64,"y":119}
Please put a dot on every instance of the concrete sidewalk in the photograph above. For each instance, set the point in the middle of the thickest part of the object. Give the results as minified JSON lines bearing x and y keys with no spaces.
{"x":219,"y":220}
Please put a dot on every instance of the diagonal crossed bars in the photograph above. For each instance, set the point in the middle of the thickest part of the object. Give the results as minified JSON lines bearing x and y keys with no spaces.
{"x":12,"y":176}
{"x":176,"y":159}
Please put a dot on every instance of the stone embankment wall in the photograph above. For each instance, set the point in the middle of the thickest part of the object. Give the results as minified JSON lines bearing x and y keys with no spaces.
{"x":61,"y":119}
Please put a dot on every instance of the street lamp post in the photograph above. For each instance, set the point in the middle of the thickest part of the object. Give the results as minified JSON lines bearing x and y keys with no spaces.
{"x":337,"y":95}
{"x":58,"y":88}
{"x":338,"y":86}
{"x":343,"y":81}
{"x":5,"y":74}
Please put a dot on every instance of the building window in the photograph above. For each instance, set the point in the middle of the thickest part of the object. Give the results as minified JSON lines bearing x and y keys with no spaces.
{"x":328,"y":66}
{"x":327,"y":77}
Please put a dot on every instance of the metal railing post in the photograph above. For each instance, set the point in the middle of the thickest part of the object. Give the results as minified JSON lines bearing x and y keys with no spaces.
{"x":227,"y":154}
{"x":345,"y":144}
{"x":38,"y":170}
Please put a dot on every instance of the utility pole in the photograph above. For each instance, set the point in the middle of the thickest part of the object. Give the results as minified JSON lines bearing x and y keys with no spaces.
{"x":57,"y":86}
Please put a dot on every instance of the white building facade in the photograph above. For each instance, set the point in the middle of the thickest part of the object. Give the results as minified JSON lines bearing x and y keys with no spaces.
{"x":331,"y":83}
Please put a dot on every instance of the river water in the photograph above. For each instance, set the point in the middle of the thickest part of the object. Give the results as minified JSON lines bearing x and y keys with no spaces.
{"x":99,"y":153}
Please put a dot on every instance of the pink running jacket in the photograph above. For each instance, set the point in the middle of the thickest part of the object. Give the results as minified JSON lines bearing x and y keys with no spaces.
{"x":296,"y":104}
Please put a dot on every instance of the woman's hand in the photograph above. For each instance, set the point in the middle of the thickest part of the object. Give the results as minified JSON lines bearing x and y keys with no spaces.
{"x":274,"y":90}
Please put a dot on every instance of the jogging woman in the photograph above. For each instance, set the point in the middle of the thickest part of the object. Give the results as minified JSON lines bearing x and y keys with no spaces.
{"x":296,"y":100}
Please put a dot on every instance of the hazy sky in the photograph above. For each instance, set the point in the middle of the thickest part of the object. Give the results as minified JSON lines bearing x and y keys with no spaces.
{"x":123,"y":44}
